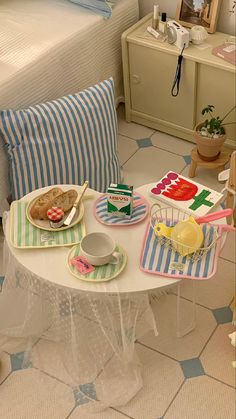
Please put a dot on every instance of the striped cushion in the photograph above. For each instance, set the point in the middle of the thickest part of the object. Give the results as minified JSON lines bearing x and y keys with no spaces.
{"x":65,"y":141}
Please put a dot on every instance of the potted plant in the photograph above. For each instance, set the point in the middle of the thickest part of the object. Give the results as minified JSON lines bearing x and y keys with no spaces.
{"x":210,"y":135}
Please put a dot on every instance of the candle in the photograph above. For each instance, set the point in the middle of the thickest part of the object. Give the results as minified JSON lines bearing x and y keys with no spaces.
{"x":156,"y":11}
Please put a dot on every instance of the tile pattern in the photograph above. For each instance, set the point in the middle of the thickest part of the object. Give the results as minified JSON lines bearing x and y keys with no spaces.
{"x":83,"y":391}
{"x":187,"y":159}
{"x":127,"y":148}
{"x":30,"y":394}
{"x":145,"y":142}
{"x":189,"y":377}
{"x":229,"y":250}
{"x":162,"y":377}
{"x":223,"y":315}
{"x":187,"y":347}
{"x":218,"y":355}
{"x":149,"y":164}
{"x":192,"y":367}
{"x":203,"y":397}
{"x":1,"y":254}
{"x":1,"y":282}
{"x":5,"y":367}
{"x":19,"y":361}
{"x":173,"y":145}
{"x":82,"y":412}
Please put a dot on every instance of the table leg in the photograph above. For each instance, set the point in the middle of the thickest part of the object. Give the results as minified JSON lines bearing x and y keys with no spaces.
{"x":229,"y":204}
{"x":192,"y":169}
{"x":234,"y":312}
{"x":193,"y":325}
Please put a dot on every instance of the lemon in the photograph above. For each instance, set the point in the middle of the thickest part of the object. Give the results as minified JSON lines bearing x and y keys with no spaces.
{"x":186,"y":236}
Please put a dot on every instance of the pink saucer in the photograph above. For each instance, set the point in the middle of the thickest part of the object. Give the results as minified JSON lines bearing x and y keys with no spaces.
{"x":140,"y":211}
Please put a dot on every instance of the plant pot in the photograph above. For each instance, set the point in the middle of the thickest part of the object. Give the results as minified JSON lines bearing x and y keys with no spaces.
{"x":208,"y":148}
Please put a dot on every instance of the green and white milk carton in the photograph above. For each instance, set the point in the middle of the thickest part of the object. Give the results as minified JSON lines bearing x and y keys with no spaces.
{"x":120,"y":200}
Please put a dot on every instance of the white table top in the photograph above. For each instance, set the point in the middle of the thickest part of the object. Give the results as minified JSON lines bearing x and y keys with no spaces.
{"x":50,"y":264}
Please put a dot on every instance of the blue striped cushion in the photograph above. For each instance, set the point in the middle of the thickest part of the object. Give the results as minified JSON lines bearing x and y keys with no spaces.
{"x":65,"y":141}
{"x":102,"y":7}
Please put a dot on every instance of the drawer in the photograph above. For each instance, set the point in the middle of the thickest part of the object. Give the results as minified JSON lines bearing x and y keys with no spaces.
{"x":151,"y":77}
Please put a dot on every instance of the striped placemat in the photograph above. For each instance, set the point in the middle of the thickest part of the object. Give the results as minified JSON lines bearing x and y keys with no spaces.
{"x":157,"y":258}
{"x":101,"y":273}
{"x":139,"y":212}
{"x":25,"y":236}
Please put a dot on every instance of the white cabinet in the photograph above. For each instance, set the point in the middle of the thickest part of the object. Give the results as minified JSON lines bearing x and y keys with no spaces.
{"x":149,"y":68}
{"x":151,"y":78}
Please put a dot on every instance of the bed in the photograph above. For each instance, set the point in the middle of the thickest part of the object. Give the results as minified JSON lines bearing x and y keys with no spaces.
{"x":50,"y":48}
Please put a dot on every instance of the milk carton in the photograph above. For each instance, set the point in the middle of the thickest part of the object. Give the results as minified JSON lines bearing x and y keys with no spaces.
{"x":120,"y":200}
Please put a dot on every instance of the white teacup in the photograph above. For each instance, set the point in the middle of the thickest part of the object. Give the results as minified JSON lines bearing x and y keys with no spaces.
{"x":99,"y":249}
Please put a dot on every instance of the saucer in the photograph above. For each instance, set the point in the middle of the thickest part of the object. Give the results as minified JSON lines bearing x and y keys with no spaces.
{"x":101,"y":273}
{"x":139,"y":212}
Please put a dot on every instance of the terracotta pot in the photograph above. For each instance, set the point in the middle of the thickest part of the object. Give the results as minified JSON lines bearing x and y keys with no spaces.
{"x":208,"y":148}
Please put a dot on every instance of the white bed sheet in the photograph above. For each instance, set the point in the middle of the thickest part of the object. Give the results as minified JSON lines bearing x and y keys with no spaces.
{"x":50,"y":48}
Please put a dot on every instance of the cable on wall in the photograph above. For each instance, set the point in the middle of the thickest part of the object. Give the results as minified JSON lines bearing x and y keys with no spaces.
{"x":175,"y":86}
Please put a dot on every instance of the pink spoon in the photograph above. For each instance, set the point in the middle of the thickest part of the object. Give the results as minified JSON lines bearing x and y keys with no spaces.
{"x":216,"y":216}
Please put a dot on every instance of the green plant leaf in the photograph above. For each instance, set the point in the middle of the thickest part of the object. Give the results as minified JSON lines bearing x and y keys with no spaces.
{"x":214,"y":125}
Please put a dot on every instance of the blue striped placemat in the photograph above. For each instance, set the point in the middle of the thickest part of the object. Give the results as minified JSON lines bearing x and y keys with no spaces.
{"x":157,"y":258}
{"x":139,"y":212}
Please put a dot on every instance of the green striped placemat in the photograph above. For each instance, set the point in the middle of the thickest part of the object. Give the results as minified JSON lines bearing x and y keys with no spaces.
{"x":25,"y":236}
{"x":101,"y":273}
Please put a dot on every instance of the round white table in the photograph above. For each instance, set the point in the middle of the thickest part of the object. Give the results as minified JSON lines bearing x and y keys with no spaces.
{"x":50,"y":264}
{"x":94,"y":326}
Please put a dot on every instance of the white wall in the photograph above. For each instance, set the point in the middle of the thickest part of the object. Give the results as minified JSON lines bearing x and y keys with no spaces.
{"x":226,"y":21}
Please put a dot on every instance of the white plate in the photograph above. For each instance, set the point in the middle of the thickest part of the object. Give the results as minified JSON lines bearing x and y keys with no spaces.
{"x":45,"y":224}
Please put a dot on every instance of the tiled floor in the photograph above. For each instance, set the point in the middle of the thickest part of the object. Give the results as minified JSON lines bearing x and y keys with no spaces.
{"x":183,"y":378}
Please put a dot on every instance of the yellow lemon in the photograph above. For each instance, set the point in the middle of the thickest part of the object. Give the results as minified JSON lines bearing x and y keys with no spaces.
{"x":187,"y":235}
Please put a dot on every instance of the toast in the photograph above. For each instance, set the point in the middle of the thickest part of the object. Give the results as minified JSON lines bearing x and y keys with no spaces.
{"x":66,"y":200}
{"x":43,"y":203}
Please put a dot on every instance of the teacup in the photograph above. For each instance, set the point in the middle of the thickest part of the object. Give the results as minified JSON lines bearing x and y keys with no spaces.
{"x":99,"y":249}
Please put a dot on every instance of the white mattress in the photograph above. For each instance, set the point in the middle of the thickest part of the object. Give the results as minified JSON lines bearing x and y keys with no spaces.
{"x":50,"y":48}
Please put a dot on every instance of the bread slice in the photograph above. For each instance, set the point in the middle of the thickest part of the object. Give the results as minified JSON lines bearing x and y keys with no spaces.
{"x":43,"y":203}
{"x":66,"y":200}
